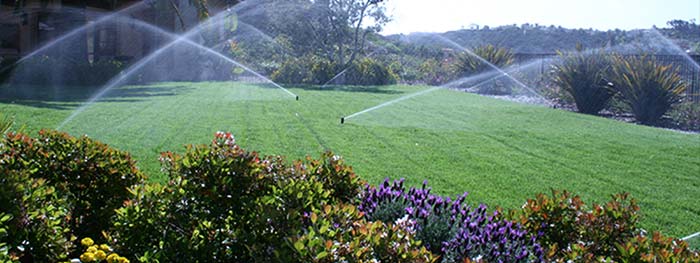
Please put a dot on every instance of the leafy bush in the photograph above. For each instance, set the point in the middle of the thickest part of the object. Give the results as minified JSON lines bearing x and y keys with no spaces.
{"x":434,"y":72}
{"x":467,"y":64}
{"x":226,"y":204}
{"x":91,"y":176}
{"x":450,"y":227}
{"x":292,"y":71}
{"x":50,"y":70}
{"x":582,"y":76}
{"x":368,"y":71}
{"x":647,"y":86}
{"x":656,"y":248}
{"x":568,"y":229}
{"x":316,"y":70}
{"x":33,"y":225}
{"x":686,"y":115}
{"x":341,"y":234}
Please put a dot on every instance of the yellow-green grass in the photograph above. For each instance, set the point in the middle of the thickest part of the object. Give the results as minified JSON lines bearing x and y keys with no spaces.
{"x":500,"y":152}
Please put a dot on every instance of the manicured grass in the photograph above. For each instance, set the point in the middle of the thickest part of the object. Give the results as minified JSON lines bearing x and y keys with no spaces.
{"x":498,"y":151}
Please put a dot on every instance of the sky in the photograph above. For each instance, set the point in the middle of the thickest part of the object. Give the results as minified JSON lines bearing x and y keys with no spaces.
{"x":445,"y":15}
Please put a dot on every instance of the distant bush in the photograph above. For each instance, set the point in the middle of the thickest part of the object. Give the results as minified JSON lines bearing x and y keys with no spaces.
{"x":292,"y":71}
{"x":449,"y":227}
{"x":226,"y":204}
{"x":468,"y":64}
{"x":317,"y":71}
{"x":47,"y":70}
{"x":92,"y":177}
{"x":648,"y":87}
{"x":434,"y":72}
{"x":582,"y":75}
{"x":368,"y":71}
{"x":686,"y":116}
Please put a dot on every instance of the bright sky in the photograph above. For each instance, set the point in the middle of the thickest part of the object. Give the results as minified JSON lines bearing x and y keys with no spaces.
{"x":444,"y":15}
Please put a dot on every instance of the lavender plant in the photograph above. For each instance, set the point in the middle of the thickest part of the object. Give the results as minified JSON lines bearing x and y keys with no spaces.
{"x":451,"y":227}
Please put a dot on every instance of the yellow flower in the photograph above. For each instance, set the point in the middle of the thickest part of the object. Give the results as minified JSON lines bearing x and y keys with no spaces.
{"x":105,"y":247}
{"x":92,"y":249}
{"x":87,"y":242}
{"x":87,"y":257}
{"x":100,"y":255}
{"x":123,"y":260}
{"x":113,"y":258}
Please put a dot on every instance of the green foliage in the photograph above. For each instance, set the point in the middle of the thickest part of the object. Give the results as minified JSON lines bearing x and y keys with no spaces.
{"x":468,"y":64}
{"x":41,"y":70}
{"x":568,"y":229}
{"x":368,"y":71}
{"x":316,"y":70}
{"x":292,"y":71}
{"x":655,"y":248}
{"x":686,"y":115}
{"x":341,"y":234}
{"x":223,"y":203}
{"x":647,"y":86}
{"x":582,"y":76}
{"x":33,"y":219}
{"x":434,"y":72}
{"x":92,"y":177}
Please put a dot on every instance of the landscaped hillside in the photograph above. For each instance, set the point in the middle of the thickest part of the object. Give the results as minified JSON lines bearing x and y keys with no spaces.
{"x":501,"y":152}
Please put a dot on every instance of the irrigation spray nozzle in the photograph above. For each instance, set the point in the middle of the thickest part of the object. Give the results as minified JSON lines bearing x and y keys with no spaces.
{"x":606,"y":82}
{"x":297,"y":97}
{"x":342,"y":120}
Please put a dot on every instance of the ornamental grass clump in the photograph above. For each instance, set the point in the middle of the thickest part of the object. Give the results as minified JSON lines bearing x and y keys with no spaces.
{"x":449,"y":227}
{"x":582,"y":75}
{"x":647,"y":86}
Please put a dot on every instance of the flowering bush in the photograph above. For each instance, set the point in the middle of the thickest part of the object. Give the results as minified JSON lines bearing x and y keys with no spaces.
{"x":226,"y":204}
{"x":341,"y":234}
{"x":99,"y":253}
{"x":92,"y":177}
{"x":450,"y":227}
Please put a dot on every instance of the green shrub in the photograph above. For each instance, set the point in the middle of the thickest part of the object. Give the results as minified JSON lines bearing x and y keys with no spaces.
{"x":568,"y":229}
{"x":434,"y":72}
{"x":341,"y":234}
{"x":467,"y":64}
{"x":50,"y":70}
{"x":368,"y":71}
{"x":91,"y":176}
{"x":223,"y":203}
{"x":292,"y":71}
{"x":322,"y":71}
{"x":647,"y":86}
{"x":657,"y":248}
{"x":582,"y":76}
{"x":33,"y":225}
{"x":686,"y":115}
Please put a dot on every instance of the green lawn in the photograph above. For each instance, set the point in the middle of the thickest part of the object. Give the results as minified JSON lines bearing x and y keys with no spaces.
{"x":498,"y":151}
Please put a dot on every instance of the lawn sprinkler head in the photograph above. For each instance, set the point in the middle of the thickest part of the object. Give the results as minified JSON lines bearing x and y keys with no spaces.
{"x":342,"y":120}
{"x":605,"y":82}
{"x":297,"y":97}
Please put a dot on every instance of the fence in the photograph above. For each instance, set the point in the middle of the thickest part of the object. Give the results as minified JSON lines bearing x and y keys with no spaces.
{"x":689,"y":71}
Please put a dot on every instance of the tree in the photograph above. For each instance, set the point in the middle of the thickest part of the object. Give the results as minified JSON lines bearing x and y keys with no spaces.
{"x":334,"y":29}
